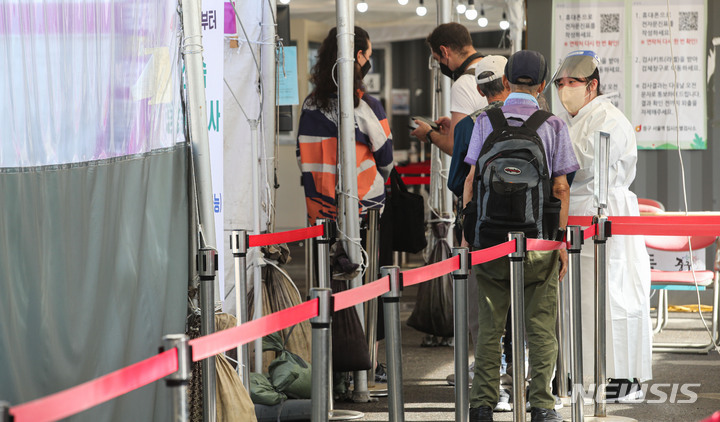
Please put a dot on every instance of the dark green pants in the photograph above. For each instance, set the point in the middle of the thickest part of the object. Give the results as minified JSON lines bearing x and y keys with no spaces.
{"x":541,"y":279}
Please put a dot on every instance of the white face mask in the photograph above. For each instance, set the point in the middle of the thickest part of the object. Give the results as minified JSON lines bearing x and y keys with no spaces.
{"x":573,"y":98}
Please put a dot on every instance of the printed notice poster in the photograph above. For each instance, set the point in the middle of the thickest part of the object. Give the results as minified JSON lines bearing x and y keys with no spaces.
{"x":668,"y":103}
{"x":287,"y":77}
{"x":596,"y":27}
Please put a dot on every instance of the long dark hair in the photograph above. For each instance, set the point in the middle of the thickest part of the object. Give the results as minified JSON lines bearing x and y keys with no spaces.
{"x":322,"y":73}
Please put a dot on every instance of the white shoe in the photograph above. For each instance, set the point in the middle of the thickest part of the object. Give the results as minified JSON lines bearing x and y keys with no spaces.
{"x":503,"y":404}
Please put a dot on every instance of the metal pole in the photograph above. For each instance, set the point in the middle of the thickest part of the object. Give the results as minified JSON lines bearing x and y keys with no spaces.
{"x":320,"y":352}
{"x":238,"y":246}
{"x":257,"y":271}
{"x":268,"y":59}
{"x":348,"y":215}
{"x":370,"y":276}
{"x":178,"y":381}
{"x":603,"y":232}
{"x":517,"y":300}
{"x":575,"y":238}
{"x":393,"y":341}
{"x":207,"y":267}
{"x":197,"y":119}
{"x":4,"y":411}
{"x":460,"y":290}
{"x":323,"y":253}
{"x":310,"y":262}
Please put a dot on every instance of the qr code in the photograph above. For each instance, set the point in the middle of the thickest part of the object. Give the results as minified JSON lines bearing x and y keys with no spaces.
{"x":688,"y":21}
{"x":609,"y":22}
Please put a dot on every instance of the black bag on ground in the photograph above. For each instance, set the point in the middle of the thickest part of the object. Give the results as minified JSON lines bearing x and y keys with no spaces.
{"x":349,"y":346}
{"x":511,"y":188}
{"x":433,"y":311}
{"x":405,"y":215}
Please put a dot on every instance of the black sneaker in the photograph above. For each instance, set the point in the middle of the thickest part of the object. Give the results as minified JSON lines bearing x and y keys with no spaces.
{"x":623,"y":391}
{"x":544,"y":415}
{"x":481,"y":414}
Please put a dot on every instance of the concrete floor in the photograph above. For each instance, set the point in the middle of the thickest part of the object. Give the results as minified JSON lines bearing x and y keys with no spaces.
{"x":428,"y":397}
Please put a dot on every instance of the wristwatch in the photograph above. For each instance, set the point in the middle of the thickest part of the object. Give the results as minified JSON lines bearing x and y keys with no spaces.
{"x":560,"y":236}
{"x":427,"y":135}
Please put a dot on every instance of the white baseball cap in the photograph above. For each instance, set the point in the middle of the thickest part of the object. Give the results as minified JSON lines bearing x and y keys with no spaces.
{"x":489,"y":69}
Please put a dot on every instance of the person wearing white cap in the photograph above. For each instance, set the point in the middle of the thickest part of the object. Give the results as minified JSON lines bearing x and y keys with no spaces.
{"x":629,"y":338}
{"x":488,"y":75}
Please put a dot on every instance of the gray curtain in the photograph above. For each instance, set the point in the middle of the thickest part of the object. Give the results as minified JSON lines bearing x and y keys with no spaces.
{"x":93,"y":272}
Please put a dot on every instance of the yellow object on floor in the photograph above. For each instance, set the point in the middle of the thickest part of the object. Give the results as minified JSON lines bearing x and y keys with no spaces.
{"x":689,"y":308}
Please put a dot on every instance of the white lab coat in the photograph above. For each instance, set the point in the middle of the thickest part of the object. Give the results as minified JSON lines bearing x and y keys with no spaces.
{"x":629,"y":333}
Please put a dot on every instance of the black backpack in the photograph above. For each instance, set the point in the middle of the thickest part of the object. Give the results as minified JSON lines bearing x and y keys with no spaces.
{"x":511,"y":188}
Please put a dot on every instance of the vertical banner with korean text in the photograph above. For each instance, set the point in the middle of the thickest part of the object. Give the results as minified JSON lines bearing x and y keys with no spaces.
{"x":212,"y":38}
{"x":596,"y":27}
{"x":668,"y":105}
{"x":664,"y":99}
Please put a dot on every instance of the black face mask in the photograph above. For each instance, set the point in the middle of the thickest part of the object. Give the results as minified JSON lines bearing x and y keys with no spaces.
{"x":365,"y":69}
{"x":455,"y":74}
{"x":446,"y":71}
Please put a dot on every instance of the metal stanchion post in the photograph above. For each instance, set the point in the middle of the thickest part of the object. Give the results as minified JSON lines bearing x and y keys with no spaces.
{"x":178,"y":381}
{"x":460,"y":291}
{"x":371,"y":273}
{"x":320,"y":351}
{"x":207,"y":267}
{"x":238,"y":246}
{"x":322,"y":253}
{"x":603,"y":232}
{"x":4,"y":411}
{"x":575,"y":239}
{"x":517,"y":301}
{"x":393,"y":341}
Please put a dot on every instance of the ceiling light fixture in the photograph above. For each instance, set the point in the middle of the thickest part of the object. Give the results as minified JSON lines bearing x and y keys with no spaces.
{"x":362,"y":6}
{"x":421,"y":10}
{"x":403,"y":2}
{"x":460,"y":8}
{"x":284,"y":1}
{"x":483,"y":21}
{"x":471,"y":13}
{"x":504,"y":24}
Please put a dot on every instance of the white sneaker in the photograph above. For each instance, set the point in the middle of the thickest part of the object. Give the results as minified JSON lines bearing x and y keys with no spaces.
{"x":503,"y":404}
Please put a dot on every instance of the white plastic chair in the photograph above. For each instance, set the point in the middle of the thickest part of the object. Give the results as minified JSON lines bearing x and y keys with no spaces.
{"x":664,"y":281}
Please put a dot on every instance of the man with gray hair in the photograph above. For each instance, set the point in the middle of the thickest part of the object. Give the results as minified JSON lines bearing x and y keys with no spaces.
{"x":524,"y":74}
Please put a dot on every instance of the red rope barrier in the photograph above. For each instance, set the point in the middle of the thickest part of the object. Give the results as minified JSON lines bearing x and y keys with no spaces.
{"x":544,"y":245}
{"x":666,"y":230}
{"x":414,"y":168}
{"x":212,"y":344}
{"x":493,"y":252}
{"x":352,"y":297}
{"x":92,"y":393}
{"x":429,"y":272}
{"x":285,"y":237}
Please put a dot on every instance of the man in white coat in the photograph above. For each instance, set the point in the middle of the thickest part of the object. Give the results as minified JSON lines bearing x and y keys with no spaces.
{"x":629,"y":337}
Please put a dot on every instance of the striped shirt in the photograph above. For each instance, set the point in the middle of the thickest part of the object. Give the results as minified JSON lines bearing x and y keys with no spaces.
{"x":317,"y":153}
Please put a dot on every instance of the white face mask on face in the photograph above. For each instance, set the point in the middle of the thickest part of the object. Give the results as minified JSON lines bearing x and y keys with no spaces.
{"x":573,"y":98}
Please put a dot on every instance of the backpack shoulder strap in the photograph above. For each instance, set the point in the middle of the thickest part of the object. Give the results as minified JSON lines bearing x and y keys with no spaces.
{"x":497,"y":118}
{"x":537,"y":119}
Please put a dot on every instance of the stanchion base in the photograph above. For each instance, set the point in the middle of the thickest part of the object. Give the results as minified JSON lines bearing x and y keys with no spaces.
{"x":344,"y":415}
{"x":378,"y":390}
{"x":608,"y":418}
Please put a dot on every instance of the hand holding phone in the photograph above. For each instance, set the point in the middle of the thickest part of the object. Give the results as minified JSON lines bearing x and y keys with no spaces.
{"x":425,"y":120}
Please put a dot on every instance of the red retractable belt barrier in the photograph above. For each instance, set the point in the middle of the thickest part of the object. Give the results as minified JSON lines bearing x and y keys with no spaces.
{"x":285,"y":237}
{"x":428,"y":272}
{"x":92,"y":393}
{"x":352,"y":297}
{"x":212,"y":344}
{"x":422,"y":167}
